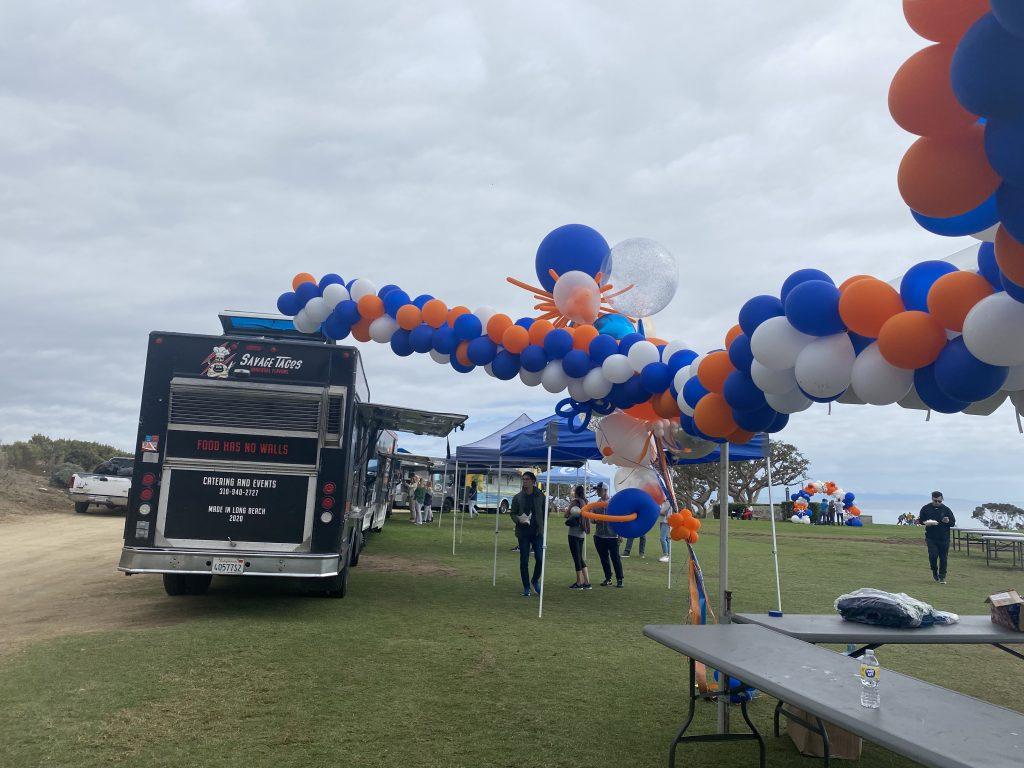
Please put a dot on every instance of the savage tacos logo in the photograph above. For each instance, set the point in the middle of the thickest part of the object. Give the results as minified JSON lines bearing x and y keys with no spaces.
{"x":219,"y":362}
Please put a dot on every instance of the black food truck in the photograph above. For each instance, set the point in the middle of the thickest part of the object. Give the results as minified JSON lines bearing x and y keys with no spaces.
{"x":259,"y":454}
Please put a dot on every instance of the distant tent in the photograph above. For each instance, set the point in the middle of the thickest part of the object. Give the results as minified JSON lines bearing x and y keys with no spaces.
{"x":484,"y":452}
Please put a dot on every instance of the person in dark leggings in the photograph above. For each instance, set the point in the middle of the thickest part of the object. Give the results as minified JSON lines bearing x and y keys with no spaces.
{"x":527,"y":512}
{"x":578,"y":528}
{"x":606,"y":542}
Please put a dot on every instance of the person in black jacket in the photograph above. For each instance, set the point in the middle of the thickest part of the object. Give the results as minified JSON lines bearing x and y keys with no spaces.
{"x":937,"y":519}
{"x":528,"y":510}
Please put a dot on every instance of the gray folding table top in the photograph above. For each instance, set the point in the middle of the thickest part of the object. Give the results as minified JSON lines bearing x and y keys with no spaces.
{"x":832,"y":628}
{"x":925,"y":722}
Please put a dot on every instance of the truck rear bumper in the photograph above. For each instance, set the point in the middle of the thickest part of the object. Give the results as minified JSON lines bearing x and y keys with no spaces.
{"x":98,"y":498}
{"x":150,"y":560}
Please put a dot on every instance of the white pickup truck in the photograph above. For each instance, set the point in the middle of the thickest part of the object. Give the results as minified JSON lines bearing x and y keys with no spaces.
{"x":108,"y":484}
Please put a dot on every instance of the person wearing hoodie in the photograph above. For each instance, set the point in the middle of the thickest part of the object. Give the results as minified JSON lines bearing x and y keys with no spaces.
{"x":527,"y":511}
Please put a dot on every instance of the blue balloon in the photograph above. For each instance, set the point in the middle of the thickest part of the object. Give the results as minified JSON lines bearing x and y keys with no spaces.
{"x":631,"y":501}
{"x":962,"y":376}
{"x":454,"y":362}
{"x":576,"y":363}
{"x":986,"y":70}
{"x":525,"y":322}
{"x":987,"y":266}
{"x":1003,"y":141}
{"x":634,"y":392}
{"x":421,"y":338}
{"x":757,"y":420}
{"x":686,"y":422}
{"x":349,"y":284}
{"x":822,"y":399}
{"x":855,"y":522}
{"x":617,"y":396}
{"x":742,"y":394}
{"x":395,"y":300}
{"x":572,"y":247}
{"x":557,"y":343}
{"x":481,"y":350}
{"x":655,"y":378}
{"x":387,"y":289}
{"x":781,"y":420}
{"x":848,"y":498}
{"x":348,"y":311}
{"x":628,"y":341}
{"x":288,"y":304}
{"x":602,"y":346}
{"x":1010,"y":14}
{"x":443,"y":340}
{"x":758,"y":309}
{"x":467,"y":326}
{"x":693,"y":391}
{"x":932,"y":395}
{"x":678,"y":361}
{"x":401,"y":344}
{"x":329,"y":279}
{"x":812,"y":307}
{"x":614,"y":325}
{"x":740,"y":354}
{"x":1013,"y":290}
{"x":1010,"y":200}
{"x":533,"y":359}
{"x":305,"y":292}
{"x":505,"y":365}
{"x":801,"y":276}
{"x":975,"y":220}
{"x":918,"y":281}
{"x":422,"y":299}
{"x":860,"y":343}
{"x":336,"y":328}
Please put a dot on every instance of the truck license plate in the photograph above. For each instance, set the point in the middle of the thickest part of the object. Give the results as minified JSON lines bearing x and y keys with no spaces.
{"x":227,"y":566}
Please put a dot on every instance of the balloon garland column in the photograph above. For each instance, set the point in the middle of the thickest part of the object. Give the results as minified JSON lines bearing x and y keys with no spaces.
{"x":723,"y":575}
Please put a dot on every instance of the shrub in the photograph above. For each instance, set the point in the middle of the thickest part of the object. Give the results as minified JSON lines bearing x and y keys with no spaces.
{"x":62,"y":474}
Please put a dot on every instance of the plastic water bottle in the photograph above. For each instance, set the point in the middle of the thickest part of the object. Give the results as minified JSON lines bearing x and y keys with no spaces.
{"x":869,"y":669}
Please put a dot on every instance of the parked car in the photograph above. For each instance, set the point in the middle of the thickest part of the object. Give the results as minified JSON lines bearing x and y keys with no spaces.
{"x":108,"y":484}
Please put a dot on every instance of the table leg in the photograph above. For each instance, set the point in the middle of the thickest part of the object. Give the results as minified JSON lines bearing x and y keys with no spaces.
{"x":818,"y":728}
{"x":1010,"y":651}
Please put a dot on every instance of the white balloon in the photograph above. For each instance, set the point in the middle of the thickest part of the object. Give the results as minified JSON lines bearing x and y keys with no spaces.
{"x":878,"y":382}
{"x":617,"y":368}
{"x":988,"y":406}
{"x":596,"y":385}
{"x":650,"y":269}
{"x":529,"y":378}
{"x":440,"y":358}
{"x":671,"y":348}
{"x":642,"y":354}
{"x":849,"y":397}
{"x":362,"y":287}
{"x":317,"y":309}
{"x":1017,"y":398}
{"x":383,"y":328}
{"x":695,"y":366}
{"x":485,"y":313}
{"x":553,"y":378}
{"x":679,"y":380}
{"x":683,"y":405}
{"x":776,"y":343}
{"x":987,"y":235}
{"x":488,"y":370}
{"x":793,"y":401}
{"x":823,"y":367}
{"x":913,"y":401}
{"x":577,"y":391}
{"x":772,"y":381}
{"x":577,"y":296}
{"x":623,"y":440}
{"x":334,"y":294}
{"x":994,"y":330}
{"x":1015,"y":379}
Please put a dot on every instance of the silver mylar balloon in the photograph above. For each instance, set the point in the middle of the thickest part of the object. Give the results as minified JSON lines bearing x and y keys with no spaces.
{"x":652,"y":271}
{"x":684,"y":446}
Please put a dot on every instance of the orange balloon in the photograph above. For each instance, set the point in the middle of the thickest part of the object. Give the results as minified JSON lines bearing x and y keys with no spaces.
{"x":539,"y":330}
{"x":694,"y":523}
{"x":732,"y":334}
{"x":371,"y":306}
{"x":435,"y":312}
{"x":461,"y":353}
{"x":943,"y":20}
{"x":921,"y":98}
{"x":741,"y":437}
{"x":713,"y":416}
{"x":455,"y":313}
{"x":694,"y":537}
{"x":947,"y":176}
{"x":584,"y":335}
{"x":911,"y":340}
{"x":866,"y":304}
{"x":361,"y":330}
{"x":302,"y":277}
{"x":675,"y":519}
{"x":409,"y":316}
{"x":713,"y":371}
{"x":678,"y":534}
{"x":665,"y":405}
{"x":644,"y":411}
{"x":952,"y":296}
{"x":855,"y":511}
{"x":1010,"y":256}
{"x":851,"y":280}
{"x":497,"y":326}
{"x":515,"y":339}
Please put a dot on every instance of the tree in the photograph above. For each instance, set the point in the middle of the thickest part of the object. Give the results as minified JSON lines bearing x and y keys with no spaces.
{"x":694,"y":484}
{"x":748,"y":478}
{"x":1000,"y":516}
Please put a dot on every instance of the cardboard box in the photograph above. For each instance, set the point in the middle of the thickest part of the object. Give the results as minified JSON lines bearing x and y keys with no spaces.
{"x":1006,"y":609}
{"x":841,"y":744}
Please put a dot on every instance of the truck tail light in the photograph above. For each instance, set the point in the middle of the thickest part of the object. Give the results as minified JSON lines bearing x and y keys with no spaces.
{"x":329,"y":488}
{"x":146,"y":494}
{"x":148,"y":479}
{"x":327,"y":502}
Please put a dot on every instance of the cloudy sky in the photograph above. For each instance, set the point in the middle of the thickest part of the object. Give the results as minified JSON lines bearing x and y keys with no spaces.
{"x":161,"y":162}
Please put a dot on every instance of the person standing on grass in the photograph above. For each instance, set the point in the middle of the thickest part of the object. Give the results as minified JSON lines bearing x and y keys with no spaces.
{"x":606,"y":542}
{"x":937,"y":519}
{"x":410,"y":493}
{"x":528,"y":510}
{"x":473,"y":511}
{"x":428,"y":504}
{"x":418,"y":496}
{"x":663,"y":530}
{"x":579,"y":526}
{"x":629,"y":546}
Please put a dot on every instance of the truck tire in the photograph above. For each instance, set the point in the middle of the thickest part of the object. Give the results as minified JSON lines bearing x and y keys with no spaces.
{"x":337,"y":586}
{"x":81,"y":507}
{"x":355,"y":547}
{"x":177,"y":584}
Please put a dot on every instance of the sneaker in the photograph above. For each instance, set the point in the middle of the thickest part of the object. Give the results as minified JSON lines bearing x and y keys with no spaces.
{"x":625,"y":554}
{"x":514,"y":549}
{"x":574,"y":585}
{"x":587,"y":586}
{"x":526,"y":593}
{"x":619,"y":584}
{"x":942,"y":581}
{"x":606,"y":583}
{"x":663,"y":559}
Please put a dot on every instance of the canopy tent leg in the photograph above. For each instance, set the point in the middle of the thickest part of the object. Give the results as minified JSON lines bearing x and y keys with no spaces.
{"x":497,"y":510}
{"x":771,"y":510}
{"x":444,"y":492}
{"x":586,"y":473}
{"x":723,"y":577}
{"x":455,"y":509}
{"x":544,"y":540}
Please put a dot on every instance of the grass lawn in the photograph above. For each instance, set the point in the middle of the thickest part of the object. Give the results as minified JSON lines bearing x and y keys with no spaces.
{"x":437,"y":668}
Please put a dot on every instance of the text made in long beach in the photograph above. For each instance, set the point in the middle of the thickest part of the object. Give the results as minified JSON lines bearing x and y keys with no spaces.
{"x":236,"y":514}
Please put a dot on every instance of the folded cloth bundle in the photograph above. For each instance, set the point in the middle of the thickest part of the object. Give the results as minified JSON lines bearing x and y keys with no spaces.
{"x":890,"y":609}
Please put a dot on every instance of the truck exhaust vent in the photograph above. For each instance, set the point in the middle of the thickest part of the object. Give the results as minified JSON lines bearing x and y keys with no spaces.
{"x":231,"y":408}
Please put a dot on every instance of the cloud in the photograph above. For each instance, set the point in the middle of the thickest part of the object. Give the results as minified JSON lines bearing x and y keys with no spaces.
{"x":160,"y":165}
